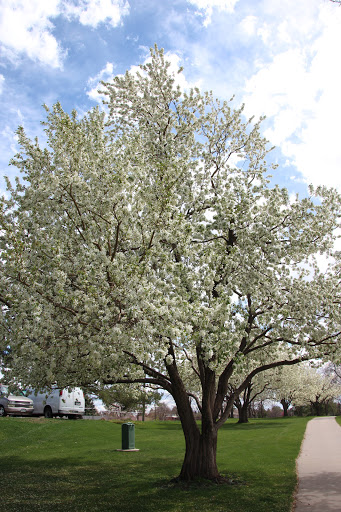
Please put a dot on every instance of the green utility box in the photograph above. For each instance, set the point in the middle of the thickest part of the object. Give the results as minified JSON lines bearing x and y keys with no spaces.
{"x":128,"y":436}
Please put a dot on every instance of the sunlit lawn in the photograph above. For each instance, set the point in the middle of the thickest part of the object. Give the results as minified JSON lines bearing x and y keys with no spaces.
{"x":63,"y":465}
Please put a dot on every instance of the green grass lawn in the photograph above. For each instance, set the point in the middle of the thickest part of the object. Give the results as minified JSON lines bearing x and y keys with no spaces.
{"x":63,"y":465}
{"x":338,"y":419}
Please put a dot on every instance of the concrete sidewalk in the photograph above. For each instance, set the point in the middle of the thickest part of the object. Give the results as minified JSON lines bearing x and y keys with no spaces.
{"x":319,"y":467}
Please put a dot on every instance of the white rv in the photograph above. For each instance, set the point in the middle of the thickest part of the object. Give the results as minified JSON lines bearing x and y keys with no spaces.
{"x":58,"y":402}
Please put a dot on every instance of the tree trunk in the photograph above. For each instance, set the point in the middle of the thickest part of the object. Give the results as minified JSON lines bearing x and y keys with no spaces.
{"x":244,"y":407}
{"x":262,"y":412}
{"x":316,"y":408}
{"x":285,"y":406}
{"x":242,"y":411}
{"x":299,"y":410}
{"x":201,"y":445}
{"x":200,"y":457}
{"x":243,"y":415}
{"x":326,"y":409}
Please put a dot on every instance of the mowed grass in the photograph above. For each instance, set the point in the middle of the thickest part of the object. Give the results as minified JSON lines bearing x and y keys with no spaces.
{"x":338,"y":419}
{"x":62,"y":465}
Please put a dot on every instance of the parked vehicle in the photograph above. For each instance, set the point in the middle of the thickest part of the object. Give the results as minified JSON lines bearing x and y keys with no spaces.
{"x":58,"y":402}
{"x":14,"y":405}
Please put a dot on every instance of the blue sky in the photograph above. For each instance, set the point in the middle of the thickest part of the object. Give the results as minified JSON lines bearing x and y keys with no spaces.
{"x":280,"y":57}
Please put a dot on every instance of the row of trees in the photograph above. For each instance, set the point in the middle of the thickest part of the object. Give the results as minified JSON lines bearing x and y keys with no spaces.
{"x":299,"y":387}
{"x":147,"y":244}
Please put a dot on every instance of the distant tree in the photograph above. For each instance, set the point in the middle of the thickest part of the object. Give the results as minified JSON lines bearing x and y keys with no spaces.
{"x":90,"y":409}
{"x":274,"y":412}
{"x":257,"y":390}
{"x":322,"y":392}
{"x":130,"y":398}
{"x":304,"y":385}
{"x":288,"y":386}
{"x":333,"y":370}
{"x":161,"y":411}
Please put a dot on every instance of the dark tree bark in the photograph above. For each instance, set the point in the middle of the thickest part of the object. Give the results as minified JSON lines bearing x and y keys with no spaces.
{"x":316,"y":408}
{"x":201,"y":446}
{"x":285,"y":405}
{"x":200,"y":456}
{"x":244,"y":405}
{"x":243,"y":414}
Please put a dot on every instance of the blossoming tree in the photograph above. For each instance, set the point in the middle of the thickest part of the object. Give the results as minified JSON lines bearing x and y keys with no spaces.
{"x":320,"y":390}
{"x":258,"y":390}
{"x":292,"y":385}
{"x":146,"y":245}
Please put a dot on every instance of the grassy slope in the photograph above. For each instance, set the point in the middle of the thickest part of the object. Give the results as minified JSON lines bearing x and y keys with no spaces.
{"x":64,"y":465}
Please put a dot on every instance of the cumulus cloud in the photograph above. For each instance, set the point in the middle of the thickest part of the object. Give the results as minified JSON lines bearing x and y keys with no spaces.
{"x":2,"y":81}
{"x":26,"y":27}
{"x":248,"y":25}
{"x":296,"y":86}
{"x":94,"y":12}
{"x":206,"y":7}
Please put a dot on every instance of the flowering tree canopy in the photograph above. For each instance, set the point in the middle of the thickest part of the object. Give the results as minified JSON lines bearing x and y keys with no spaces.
{"x":292,"y":385}
{"x":258,"y":389}
{"x":318,"y":390}
{"x":146,"y":245}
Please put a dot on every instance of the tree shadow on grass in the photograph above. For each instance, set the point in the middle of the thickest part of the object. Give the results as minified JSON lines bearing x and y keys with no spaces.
{"x":252,"y":425}
{"x":71,"y":485}
{"x":166,"y":425}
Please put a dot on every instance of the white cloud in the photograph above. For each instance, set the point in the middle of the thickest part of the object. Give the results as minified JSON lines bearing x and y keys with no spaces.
{"x":283,"y":90}
{"x":26,"y":27}
{"x":248,"y":25}
{"x":206,"y":7}
{"x":2,"y":80}
{"x":297,"y":87}
{"x":94,"y":12}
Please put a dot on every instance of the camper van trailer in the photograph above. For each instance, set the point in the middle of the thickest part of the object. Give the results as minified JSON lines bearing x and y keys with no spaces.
{"x":58,"y":402}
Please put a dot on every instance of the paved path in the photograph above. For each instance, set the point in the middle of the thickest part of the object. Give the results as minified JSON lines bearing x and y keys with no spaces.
{"x":319,"y":467}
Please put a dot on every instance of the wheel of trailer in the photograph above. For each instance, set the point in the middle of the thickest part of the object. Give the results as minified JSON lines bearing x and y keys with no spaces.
{"x":48,"y":412}
{"x":2,"y":411}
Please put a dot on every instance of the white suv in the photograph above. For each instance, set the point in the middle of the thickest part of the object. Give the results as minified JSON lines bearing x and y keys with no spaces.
{"x":14,"y":405}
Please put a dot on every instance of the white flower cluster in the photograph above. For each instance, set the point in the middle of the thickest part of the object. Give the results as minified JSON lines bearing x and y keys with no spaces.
{"x":154,"y":242}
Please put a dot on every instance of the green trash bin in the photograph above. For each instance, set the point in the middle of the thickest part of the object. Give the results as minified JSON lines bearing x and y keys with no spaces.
{"x":128,"y":436}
